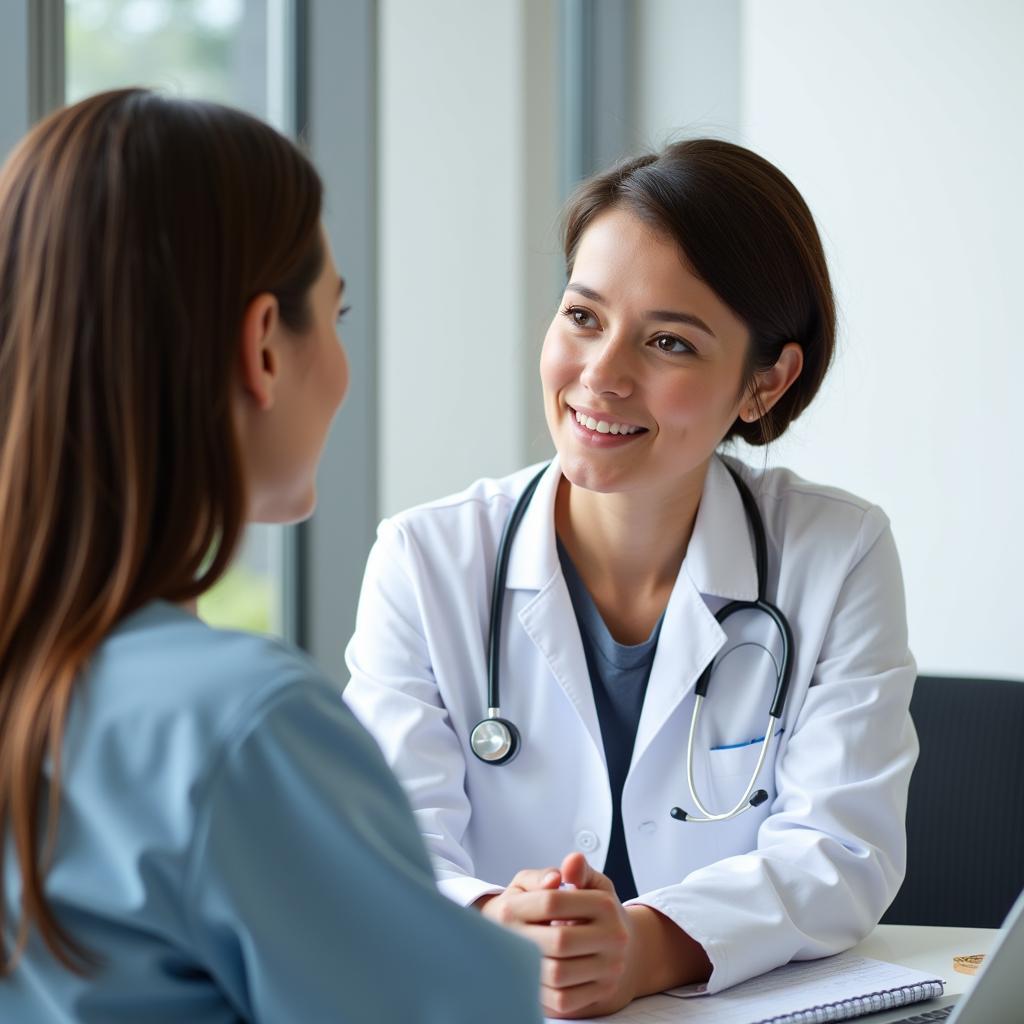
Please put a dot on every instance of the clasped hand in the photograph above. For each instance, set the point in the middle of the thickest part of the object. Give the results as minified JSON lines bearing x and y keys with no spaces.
{"x":584,"y":933}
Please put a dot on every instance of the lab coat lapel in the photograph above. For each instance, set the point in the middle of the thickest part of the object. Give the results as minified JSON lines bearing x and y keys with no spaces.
{"x":690,"y":637}
{"x":550,"y":622}
{"x":549,"y":619}
{"x":719,"y":563}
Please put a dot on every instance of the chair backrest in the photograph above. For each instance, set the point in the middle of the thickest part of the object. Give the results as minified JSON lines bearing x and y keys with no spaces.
{"x":965,"y":818}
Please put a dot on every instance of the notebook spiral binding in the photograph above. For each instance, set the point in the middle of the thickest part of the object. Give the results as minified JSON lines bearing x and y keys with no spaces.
{"x":847,"y":1009}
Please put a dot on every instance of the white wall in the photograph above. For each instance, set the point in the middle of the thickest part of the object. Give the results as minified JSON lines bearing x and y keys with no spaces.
{"x":687,"y":70}
{"x":903,"y":126}
{"x":468,"y":195}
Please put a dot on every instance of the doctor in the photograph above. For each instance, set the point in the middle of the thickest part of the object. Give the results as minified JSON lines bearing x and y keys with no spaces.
{"x":643,"y":629}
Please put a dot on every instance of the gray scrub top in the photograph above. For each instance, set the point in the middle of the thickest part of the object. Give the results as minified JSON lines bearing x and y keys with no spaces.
{"x":618,"y":678}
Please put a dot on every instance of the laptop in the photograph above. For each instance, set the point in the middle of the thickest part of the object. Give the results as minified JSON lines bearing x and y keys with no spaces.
{"x":997,"y":995}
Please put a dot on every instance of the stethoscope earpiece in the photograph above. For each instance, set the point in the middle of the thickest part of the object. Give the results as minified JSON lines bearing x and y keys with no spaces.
{"x":495,"y":740}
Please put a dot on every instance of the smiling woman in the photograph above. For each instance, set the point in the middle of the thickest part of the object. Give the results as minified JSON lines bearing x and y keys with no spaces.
{"x":644,"y":565}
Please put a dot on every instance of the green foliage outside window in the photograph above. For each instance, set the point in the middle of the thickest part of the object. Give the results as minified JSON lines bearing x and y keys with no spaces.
{"x":190,"y":47}
{"x":240,"y":600}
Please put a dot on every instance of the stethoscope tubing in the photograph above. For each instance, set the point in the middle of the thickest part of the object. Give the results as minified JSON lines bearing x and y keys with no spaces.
{"x":498,"y":594}
{"x":785,"y":658}
{"x":751,"y":797}
{"x":744,"y":801}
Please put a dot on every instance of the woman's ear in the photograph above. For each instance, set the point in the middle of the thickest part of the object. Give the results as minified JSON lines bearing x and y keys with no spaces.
{"x":258,"y":362}
{"x":771,"y":384}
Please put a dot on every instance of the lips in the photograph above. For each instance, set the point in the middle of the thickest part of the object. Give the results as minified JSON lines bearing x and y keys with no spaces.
{"x":607,"y":431}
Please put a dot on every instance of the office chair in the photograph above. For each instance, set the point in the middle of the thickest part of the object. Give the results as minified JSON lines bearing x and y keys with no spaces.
{"x":965,"y":818}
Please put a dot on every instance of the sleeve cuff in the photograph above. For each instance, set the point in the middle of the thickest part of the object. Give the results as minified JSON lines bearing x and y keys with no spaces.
{"x":465,"y":891}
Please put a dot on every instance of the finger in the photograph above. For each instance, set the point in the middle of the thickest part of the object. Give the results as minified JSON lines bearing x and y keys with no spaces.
{"x":576,"y":871}
{"x":571,"y":971}
{"x":531,"y":879}
{"x":562,"y":943}
{"x":574,"y":868}
{"x":563,"y":1002}
{"x":558,"y":905}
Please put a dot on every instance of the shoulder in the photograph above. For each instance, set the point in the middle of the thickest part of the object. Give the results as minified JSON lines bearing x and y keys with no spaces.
{"x":798,"y":510}
{"x":458,"y":520}
{"x":165,"y":708}
{"x":187,"y":686}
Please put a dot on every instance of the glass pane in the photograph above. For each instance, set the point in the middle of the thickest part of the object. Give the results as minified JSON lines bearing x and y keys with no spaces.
{"x":232,"y":51}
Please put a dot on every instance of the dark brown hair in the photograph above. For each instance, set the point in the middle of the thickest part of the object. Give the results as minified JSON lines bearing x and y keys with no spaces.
{"x":745,"y":230}
{"x":134,"y":230}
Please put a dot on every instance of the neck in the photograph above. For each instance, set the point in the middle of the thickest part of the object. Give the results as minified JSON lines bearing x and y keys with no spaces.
{"x":628,"y":546}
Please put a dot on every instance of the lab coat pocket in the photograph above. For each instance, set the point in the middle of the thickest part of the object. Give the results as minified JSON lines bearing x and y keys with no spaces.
{"x":728,"y":771}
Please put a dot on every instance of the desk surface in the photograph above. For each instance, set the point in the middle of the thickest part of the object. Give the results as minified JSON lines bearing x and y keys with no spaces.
{"x":928,"y":949}
{"x":924,"y":948}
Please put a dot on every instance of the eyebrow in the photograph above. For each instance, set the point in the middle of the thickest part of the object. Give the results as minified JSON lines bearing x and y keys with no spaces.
{"x":663,"y":315}
{"x":341,"y":285}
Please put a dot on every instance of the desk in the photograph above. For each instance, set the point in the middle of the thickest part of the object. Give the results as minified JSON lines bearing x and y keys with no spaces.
{"x":921,"y":947}
{"x":928,"y":949}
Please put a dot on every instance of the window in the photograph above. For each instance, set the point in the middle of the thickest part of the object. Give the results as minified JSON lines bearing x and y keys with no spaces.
{"x":235,"y":52}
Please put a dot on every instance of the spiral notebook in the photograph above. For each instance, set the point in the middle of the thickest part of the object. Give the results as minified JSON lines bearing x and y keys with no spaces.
{"x":833,"y":989}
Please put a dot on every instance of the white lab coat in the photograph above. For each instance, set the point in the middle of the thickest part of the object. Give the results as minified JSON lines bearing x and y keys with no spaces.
{"x":806,"y":874}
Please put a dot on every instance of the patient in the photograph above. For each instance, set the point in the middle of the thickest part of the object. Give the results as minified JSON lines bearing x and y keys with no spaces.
{"x":195,"y":827}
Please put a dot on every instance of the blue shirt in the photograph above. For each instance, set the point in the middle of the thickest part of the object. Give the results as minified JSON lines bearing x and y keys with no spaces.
{"x":233,"y":846}
{"x":618,"y":678}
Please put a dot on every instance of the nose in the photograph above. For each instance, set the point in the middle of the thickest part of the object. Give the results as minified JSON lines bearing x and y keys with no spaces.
{"x":607,"y":370}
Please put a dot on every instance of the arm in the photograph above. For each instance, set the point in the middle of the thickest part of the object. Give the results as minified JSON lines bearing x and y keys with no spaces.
{"x":828,"y":860}
{"x":831,"y":856}
{"x":394,"y":693}
{"x":310,"y":896}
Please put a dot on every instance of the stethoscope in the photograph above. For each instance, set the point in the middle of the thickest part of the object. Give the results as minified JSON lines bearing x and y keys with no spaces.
{"x":496,"y":740}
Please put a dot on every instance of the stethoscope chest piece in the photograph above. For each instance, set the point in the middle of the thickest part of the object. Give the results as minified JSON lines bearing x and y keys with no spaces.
{"x":495,"y":740}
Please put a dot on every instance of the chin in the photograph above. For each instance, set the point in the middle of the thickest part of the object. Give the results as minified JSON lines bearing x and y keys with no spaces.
{"x":282,"y":511}
{"x":586,"y":472}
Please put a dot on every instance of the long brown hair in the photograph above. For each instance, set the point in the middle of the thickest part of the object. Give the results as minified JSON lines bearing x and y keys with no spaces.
{"x":746,"y":231}
{"x":134,"y":230}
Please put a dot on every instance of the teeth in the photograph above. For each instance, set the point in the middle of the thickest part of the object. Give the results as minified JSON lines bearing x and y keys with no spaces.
{"x":603,"y":426}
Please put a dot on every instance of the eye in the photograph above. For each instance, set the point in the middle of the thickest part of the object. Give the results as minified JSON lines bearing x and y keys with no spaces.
{"x":672,"y":345}
{"x":343,"y":312}
{"x":579,"y":316}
